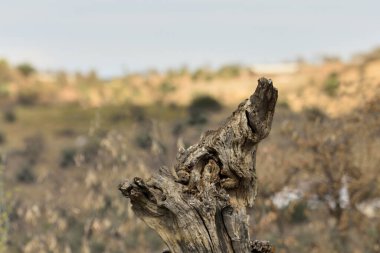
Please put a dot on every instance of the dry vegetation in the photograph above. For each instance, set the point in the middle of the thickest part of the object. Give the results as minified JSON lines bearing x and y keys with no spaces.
{"x":66,"y":141}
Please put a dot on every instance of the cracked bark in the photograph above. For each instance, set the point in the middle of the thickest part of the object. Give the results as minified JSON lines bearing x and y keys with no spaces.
{"x":202,"y":207}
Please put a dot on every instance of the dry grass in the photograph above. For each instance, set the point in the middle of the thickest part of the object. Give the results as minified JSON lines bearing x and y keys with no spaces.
{"x":105,"y":131}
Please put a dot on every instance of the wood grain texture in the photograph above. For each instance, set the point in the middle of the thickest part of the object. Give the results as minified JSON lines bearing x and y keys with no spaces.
{"x":202,"y":207}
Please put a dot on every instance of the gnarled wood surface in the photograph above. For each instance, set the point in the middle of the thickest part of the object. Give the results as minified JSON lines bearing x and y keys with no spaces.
{"x":202,"y":208}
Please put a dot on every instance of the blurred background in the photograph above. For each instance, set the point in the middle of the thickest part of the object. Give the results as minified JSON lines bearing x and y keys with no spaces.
{"x":93,"y":92}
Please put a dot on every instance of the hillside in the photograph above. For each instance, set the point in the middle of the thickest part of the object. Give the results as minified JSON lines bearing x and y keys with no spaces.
{"x":331,"y":85}
{"x":66,"y":141}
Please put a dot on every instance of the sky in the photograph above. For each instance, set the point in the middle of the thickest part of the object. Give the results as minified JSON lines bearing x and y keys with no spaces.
{"x":115,"y":37}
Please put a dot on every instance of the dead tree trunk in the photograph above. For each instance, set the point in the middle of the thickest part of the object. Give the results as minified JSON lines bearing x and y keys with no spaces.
{"x":202,"y":207}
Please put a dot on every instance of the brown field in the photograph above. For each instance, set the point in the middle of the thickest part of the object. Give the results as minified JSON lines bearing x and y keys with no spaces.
{"x":67,"y":140}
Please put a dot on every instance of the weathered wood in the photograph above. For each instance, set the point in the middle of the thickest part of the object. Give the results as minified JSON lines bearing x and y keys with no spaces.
{"x":202,"y":207}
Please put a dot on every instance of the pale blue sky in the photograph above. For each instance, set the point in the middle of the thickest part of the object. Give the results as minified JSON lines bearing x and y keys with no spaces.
{"x":115,"y":36}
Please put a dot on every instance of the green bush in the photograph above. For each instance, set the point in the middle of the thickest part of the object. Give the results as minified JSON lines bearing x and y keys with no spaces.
{"x":144,"y":140}
{"x":26,"y":175}
{"x":283,"y":104}
{"x":91,"y":149}
{"x":5,"y":74}
{"x":118,"y":116}
{"x":199,"y":107}
{"x":298,"y":212}
{"x":197,"y":119}
{"x":331,"y":84}
{"x":27,"y":97}
{"x":26,"y":69}
{"x":68,"y":157}
{"x":229,"y":71}
{"x":9,"y":116}
{"x":314,"y":113}
{"x":167,"y":87}
{"x":137,"y":113}
{"x":203,"y":104}
{"x":4,"y":90}
{"x":202,"y":74}
{"x":178,"y":129}
{"x":2,"y":138}
{"x":97,"y":247}
{"x":34,"y":146}
{"x":4,"y":211}
{"x":183,"y":71}
{"x":74,"y":233}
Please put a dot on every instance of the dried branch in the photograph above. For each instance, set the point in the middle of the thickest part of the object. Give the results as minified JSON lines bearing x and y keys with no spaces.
{"x":202,"y":208}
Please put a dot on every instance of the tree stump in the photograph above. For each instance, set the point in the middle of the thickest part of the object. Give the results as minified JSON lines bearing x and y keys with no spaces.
{"x":202,"y":206}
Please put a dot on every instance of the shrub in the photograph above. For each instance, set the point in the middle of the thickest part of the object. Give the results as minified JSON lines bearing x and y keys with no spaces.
{"x":66,"y":132}
{"x":144,"y":140}
{"x":27,"y":97}
{"x":91,"y":78}
{"x":61,"y":78}
{"x":178,"y":129}
{"x":331,"y":84}
{"x":74,"y":233}
{"x":26,"y":69}
{"x":298,"y":212}
{"x":5,"y":74}
{"x":4,"y":90}
{"x":314,"y":113}
{"x":118,"y":116}
{"x":167,"y":87}
{"x":9,"y":116}
{"x":26,"y":175}
{"x":97,"y":247}
{"x":34,"y":146}
{"x":91,"y":149}
{"x":4,"y":212}
{"x":197,"y":119}
{"x":204,"y":103}
{"x":68,"y":157}
{"x":202,"y":74}
{"x":183,"y":71}
{"x":137,"y":113}
{"x":283,"y":104}
{"x":2,"y":138}
{"x":229,"y":71}
{"x":199,"y":107}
